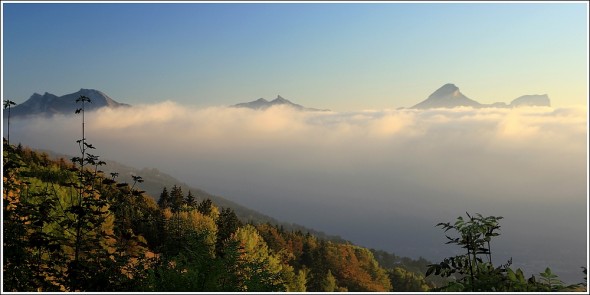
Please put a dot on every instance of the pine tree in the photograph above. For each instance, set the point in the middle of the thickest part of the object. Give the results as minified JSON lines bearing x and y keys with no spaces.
{"x":227,"y":224}
{"x":205,"y":207}
{"x":176,"y":198}
{"x":164,"y":200}
{"x":329,"y":283}
{"x":190,"y":200}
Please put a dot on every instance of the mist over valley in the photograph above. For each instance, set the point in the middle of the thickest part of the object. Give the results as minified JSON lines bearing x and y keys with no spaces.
{"x":379,"y":178}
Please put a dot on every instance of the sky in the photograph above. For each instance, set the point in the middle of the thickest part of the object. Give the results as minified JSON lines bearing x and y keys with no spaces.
{"x":339,"y":56}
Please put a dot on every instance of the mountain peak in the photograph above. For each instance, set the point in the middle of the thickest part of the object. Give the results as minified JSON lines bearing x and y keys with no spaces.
{"x":262,"y":104}
{"x":85,"y":90}
{"x":531,"y":100}
{"x":447,"y":96}
{"x":280,"y":100}
{"x":446,"y":90}
{"x":49,"y":104}
{"x":261,"y":100}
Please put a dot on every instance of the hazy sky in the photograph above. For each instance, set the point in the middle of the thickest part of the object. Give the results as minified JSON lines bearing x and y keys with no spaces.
{"x":343,"y":56}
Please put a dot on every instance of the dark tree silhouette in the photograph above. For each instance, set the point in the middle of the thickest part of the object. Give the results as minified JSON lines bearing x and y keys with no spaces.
{"x":205,"y":207}
{"x":7,"y":105}
{"x":190,"y":200}
{"x":164,"y":200}
{"x":176,"y":198}
{"x":227,"y":224}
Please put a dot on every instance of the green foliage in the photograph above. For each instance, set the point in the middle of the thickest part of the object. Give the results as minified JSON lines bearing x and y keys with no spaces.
{"x":28,"y":247}
{"x":329,"y":283}
{"x":61,"y":224}
{"x":403,"y":280}
{"x":299,"y":282}
{"x":227,"y":224}
{"x":413,"y":270}
{"x":474,"y":274}
{"x":176,"y":198}
{"x":260,"y":269}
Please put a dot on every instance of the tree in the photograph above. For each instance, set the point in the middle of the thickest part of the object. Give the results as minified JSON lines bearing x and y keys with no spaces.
{"x":329,"y":283}
{"x":406,"y":281}
{"x":260,"y":270}
{"x":205,"y":206}
{"x":53,"y":212}
{"x":299,"y":282}
{"x":23,"y":243}
{"x":164,"y":200}
{"x":190,"y":200}
{"x":100,"y":261}
{"x":227,"y":224}
{"x":476,"y":275}
{"x":80,"y":224}
{"x":176,"y":198}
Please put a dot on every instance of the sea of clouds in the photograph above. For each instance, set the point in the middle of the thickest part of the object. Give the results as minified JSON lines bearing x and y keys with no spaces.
{"x":380,"y":178}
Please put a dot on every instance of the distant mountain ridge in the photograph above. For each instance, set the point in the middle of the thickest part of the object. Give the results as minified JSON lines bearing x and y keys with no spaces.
{"x":263,"y":104}
{"x":449,"y":96}
{"x":531,"y":100}
{"x":50,"y":104}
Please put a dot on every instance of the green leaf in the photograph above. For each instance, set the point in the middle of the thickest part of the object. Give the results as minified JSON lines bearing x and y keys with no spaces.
{"x":520,"y":276}
{"x":548,"y":271}
{"x":511,"y":275}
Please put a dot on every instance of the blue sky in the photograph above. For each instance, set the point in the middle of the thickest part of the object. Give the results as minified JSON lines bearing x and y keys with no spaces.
{"x":344,"y":56}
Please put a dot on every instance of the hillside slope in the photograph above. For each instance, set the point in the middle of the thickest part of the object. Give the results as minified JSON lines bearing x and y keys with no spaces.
{"x":155,"y":181}
{"x":56,"y":213}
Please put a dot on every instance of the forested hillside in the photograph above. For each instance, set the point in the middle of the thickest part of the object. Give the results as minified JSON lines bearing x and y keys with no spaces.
{"x":73,"y":228}
{"x":155,"y":180}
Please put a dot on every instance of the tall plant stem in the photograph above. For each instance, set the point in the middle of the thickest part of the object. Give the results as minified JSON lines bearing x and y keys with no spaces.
{"x":8,"y":104}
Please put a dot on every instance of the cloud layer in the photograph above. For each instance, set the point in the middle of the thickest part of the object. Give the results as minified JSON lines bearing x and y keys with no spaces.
{"x":381,"y":178}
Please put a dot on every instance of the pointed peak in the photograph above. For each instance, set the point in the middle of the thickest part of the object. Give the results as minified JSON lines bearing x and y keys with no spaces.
{"x":445,"y":90}
{"x":447,"y":96}
{"x":44,"y":96}
{"x":450,"y":85}
{"x":48,"y":104}
{"x":36,"y":95}
{"x":280,"y":99}
{"x":85,"y":90}
{"x":261,"y":104}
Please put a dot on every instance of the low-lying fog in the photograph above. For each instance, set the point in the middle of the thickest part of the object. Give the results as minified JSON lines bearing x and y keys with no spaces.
{"x":380,"y":178}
